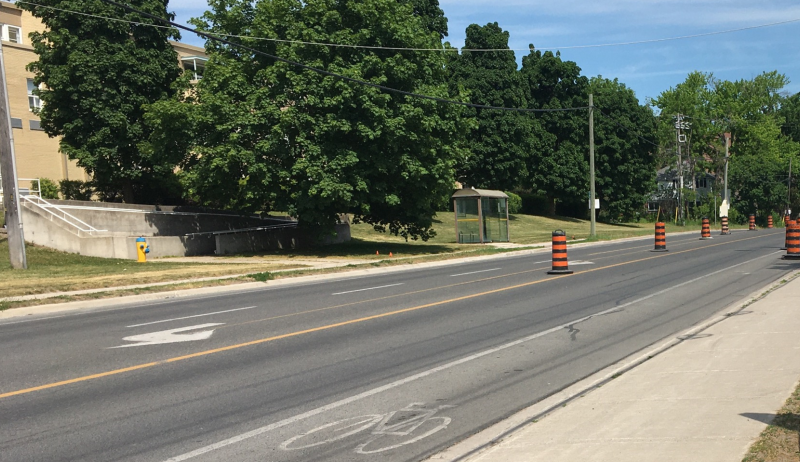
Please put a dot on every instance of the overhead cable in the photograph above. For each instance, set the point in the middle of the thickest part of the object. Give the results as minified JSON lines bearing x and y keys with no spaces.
{"x":332,"y":74}
{"x":442,"y":49}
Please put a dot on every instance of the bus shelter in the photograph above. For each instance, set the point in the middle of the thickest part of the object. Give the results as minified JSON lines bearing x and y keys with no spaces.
{"x":481,"y":215}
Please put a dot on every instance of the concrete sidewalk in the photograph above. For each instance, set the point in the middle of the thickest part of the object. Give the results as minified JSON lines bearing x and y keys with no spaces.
{"x":705,"y":396}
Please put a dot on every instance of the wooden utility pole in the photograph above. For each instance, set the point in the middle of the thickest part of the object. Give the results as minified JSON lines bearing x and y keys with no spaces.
{"x":789,"y":195}
{"x":680,"y":167}
{"x":8,"y":170}
{"x":593,"y":226}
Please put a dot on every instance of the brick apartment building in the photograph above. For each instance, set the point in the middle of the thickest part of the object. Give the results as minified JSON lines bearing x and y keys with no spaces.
{"x":37,"y":155}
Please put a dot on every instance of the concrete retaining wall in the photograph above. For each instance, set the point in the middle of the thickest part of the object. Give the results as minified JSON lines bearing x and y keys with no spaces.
{"x":259,"y":241}
{"x":143,"y":220}
{"x":42,"y":229}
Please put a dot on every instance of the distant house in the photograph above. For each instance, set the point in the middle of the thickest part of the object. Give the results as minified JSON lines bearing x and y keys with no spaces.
{"x":668,"y":181}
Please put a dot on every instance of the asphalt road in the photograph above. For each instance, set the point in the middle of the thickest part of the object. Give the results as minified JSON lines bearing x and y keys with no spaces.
{"x":387,"y":367}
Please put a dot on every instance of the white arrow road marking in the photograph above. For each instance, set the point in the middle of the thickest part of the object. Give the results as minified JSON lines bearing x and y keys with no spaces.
{"x":169,"y":336}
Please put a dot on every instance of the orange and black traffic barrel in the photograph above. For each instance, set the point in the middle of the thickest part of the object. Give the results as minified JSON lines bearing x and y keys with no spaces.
{"x":769,"y":222}
{"x":789,"y":224}
{"x":560,"y":265}
{"x":752,"y":222}
{"x":793,"y":242}
{"x":725,"y":229}
{"x":705,"y":232}
{"x":661,"y":238}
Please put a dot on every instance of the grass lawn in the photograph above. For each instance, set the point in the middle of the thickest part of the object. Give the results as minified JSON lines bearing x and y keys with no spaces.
{"x":52,"y":271}
{"x":524,"y":229}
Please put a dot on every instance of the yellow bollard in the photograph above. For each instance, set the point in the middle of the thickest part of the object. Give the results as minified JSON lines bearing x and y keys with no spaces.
{"x":142,"y":249}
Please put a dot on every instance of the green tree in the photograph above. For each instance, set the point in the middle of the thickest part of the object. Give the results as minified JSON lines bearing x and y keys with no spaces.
{"x":49,"y":189}
{"x":703,"y":149}
{"x":98,"y":75}
{"x":272,"y":135}
{"x":431,"y":15}
{"x":790,"y":111}
{"x":558,"y":168}
{"x":499,"y":144}
{"x":625,"y":166}
{"x":760,"y":152}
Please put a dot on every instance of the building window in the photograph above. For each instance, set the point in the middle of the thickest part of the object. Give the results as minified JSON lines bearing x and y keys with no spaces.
{"x":194,"y":64}
{"x":12,"y":33}
{"x":34,"y":102}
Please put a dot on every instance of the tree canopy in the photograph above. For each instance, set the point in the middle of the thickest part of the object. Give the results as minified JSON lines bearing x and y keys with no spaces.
{"x":271,"y":135}
{"x":753,"y":111}
{"x":97,"y":76}
{"x":625,"y":148}
{"x":432,"y":16}
{"x":499,"y":143}
{"x":558,"y":167}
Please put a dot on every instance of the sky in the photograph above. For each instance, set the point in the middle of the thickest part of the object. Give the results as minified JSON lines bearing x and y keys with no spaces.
{"x":647,"y":68}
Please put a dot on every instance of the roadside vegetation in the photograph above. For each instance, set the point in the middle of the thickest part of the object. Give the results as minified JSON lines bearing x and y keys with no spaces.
{"x":54,"y":271}
{"x":780,"y":441}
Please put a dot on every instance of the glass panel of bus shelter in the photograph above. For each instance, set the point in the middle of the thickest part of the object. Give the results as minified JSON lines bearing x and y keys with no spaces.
{"x":503,"y":220}
{"x":494,"y":219}
{"x":468,"y":226}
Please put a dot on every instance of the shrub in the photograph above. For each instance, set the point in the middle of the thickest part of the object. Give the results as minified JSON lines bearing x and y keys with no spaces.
{"x":75,"y":190}
{"x":49,"y":189}
{"x":514,"y":203}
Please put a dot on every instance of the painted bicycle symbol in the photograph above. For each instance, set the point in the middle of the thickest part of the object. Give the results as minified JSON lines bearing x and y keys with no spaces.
{"x":389,"y":431}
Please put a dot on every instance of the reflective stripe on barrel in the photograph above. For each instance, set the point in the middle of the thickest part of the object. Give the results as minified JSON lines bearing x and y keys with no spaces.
{"x":725,"y":226}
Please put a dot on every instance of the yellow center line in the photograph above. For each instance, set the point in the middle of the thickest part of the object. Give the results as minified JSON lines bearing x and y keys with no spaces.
{"x":338,"y":324}
{"x":403,"y":294}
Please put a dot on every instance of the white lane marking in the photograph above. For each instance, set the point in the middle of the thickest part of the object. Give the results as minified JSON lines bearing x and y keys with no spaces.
{"x":544,"y":261}
{"x":170,"y":336}
{"x":580,"y":262}
{"x":443,"y":367}
{"x":474,"y":272}
{"x":193,"y":316}
{"x":369,"y":288}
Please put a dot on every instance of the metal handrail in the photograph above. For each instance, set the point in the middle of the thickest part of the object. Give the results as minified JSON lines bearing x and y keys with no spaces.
{"x":48,"y":208}
{"x":30,"y":191}
{"x":242,"y":230}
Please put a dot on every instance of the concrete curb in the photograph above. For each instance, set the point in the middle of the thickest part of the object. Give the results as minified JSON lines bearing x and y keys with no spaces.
{"x":476,"y":444}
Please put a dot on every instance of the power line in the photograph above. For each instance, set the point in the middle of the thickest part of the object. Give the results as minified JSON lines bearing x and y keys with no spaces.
{"x":333,"y":74}
{"x":441,"y":49}
{"x":94,"y":15}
